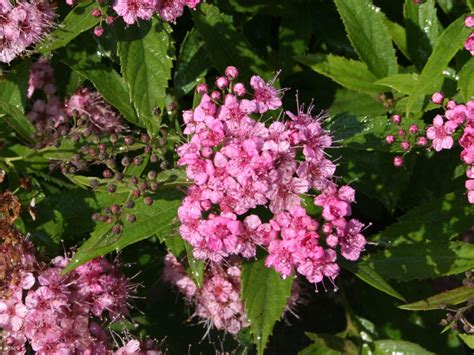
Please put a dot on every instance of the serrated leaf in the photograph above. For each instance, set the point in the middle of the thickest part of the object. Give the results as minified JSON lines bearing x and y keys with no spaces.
{"x":390,"y":347}
{"x":78,"y":20}
{"x":369,"y":36}
{"x":109,"y":83}
{"x":349,"y":73}
{"x":146,"y":57}
{"x":370,"y":276}
{"x":157,"y":219}
{"x":448,"y":44}
{"x":265,"y":295}
{"x":403,"y":83}
{"x":451,"y":297}
{"x":13,"y":87}
{"x":437,"y":220}
{"x":468,"y":339}
{"x":225,"y":44}
{"x":399,"y":36}
{"x":422,"y":260}
{"x":422,"y":29}
{"x":15,"y":118}
{"x":192,"y":63}
{"x":466,"y":80}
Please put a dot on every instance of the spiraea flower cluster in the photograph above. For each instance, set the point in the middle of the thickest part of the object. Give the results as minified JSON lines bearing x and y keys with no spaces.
{"x":22,"y":24}
{"x":469,"y":44}
{"x":457,"y":120}
{"x":238,"y":164}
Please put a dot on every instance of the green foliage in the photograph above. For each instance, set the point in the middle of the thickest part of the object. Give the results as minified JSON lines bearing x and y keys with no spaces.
{"x":441,"y":300}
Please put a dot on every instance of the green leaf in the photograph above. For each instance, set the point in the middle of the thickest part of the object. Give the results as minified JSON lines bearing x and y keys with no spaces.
{"x":369,"y":36}
{"x":109,"y":83}
{"x":422,"y":260}
{"x":13,"y":87}
{"x":448,"y":44}
{"x":451,"y":297}
{"x":370,"y":276}
{"x":349,"y":73}
{"x":466,"y":80}
{"x":192,"y":64}
{"x":265,"y":295}
{"x":470,"y":3}
{"x":15,"y":118}
{"x":422,"y":29}
{"x":157,"y":219}
{"x":79,"y":20}
{"x":146,"y":57}
{"x":399,"y":36}
{"x":225,"y":44}
{"x":437,"y":220}
{"x":328,"y":344}
{"x":403,"y":83}
{"x":468,"y":339}
{"x":390,"y":347}
{"x":196,"y":267}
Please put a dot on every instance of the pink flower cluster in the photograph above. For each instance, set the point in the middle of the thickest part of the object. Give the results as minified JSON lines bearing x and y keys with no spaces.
{"x":54,"y":312}
{"x":218,"y":302}
{"x":469,"y":44}
{"x":22,"y":25}
{"x":457,"y":119}
{"x":238,"y":164}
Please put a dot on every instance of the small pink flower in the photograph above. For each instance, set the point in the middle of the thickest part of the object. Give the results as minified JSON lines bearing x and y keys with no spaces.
{"x":440,"y":134}
{"x":405,"y":145}
{"x":437,"y":98}
{"x":231,"y":72}
{"x":396,"y":119}
{"x":98,"y":31}
{"x":265,"y":95}
{"x":390,"y":139}
{"x":469,"y":44}
{"x":398,"y":161}
{"x":469,"y":21}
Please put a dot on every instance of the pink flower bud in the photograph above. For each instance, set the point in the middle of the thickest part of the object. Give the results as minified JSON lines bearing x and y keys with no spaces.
{"x":222,"y":82}
{"x":96,"y":12}
{"x":470,"y":172}
{"x":413,"y":129}
{"x":469,"y":21}
{"x":437,"y":98}
{"x":201,"y":89}
{"x":396,"y":119}
{"x":239,"y":89}
{"x":398,"y":161}
{"x":98,"y":31}
{"x":422,"y":141}
{"x":216,"y":95}
{"x":405,"y":145}
{"x":109,"y":20}
{"x":231,"y":72}
{"x":451,"y":105}
{"x":390,"y":139}
{"x":401,"y":132}
{"x":469,"y":184}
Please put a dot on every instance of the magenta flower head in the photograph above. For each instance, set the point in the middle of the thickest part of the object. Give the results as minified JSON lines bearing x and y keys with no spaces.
{"x":231,"y":72}
{"x":96,"y":12}
{"x":390,"y":139}
{"x":396,"y":119}
{"x":437,"y":98}
{"x":398,"y":161}
{"x":239,"y":89}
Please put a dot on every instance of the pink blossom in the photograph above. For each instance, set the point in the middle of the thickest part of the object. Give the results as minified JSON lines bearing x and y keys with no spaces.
{"x":437,"y":98}
{"x":469,"y":21}
{"x":131,"y":10}
{"x":469,"y":44}
{"x":440,"y":134}
{"x":265,"y":95}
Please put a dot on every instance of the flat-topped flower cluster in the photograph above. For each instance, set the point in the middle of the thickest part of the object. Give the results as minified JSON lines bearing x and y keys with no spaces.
{"x":240,"y":166}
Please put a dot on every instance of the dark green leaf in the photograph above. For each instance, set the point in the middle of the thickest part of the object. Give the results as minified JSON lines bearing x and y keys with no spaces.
{"x":13,"y":87}
{"x":329,"y":344}
{"x":265,"y":295}
{"x":146,"y":57}
{"x":422,"y":260}
{"x":79,"y":20}
{"x":349,"y":73}
{"x":466,"y":80}
{"x":225,"y":44}
{"x":451,"y":297}
{"x":15,"y":118}
{"x":369,"y":36}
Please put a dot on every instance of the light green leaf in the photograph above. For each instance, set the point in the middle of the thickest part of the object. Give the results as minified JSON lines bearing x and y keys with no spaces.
{"x":265,"y":295}
{"x":403,"y":83}
{"x":451,"y":297}
{"x":79,"y":20}
{"x":109,"y":83}
{"x":422,"y":260}
{"x":349,"y":73}
{"x":468,"y":339}
{"x":437,"y":220}
{"x":157,"y":219}
{"x":391,"y":347}
{"x":422,"y":29}
{"x":370,"y":276}
{"x":399,"y":36}
{"x":369,"y":36}
{"x":466,"y":80}
{"x":192,"y":64}
{"x":146,"y":57}
{"x":449,"y":43}
{"x":225,"y":44}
